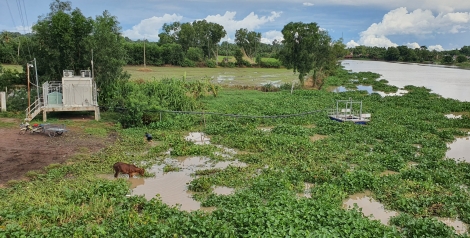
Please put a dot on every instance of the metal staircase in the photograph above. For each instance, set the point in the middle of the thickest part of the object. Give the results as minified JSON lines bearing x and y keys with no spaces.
{"x":34,"y":109}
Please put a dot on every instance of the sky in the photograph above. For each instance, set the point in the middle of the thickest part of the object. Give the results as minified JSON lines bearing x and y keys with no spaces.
{"x":436,"y":24}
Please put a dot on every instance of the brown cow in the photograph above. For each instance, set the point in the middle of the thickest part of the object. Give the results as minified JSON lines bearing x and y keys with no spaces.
{"x":129,"y":169}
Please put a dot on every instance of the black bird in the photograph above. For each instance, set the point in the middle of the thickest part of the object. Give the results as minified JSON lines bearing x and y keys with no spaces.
{"x":148,"y":136}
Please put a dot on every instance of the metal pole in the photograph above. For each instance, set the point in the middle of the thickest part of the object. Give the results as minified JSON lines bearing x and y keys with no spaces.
{"x":29,"y":97}
{"x":144,"y":55}
{"x":37,"y":83}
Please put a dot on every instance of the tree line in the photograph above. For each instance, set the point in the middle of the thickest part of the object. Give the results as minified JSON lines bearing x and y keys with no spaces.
{"x":406,"y":54}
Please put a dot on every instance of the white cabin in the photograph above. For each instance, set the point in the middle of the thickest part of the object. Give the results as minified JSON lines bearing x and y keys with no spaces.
{"x":73,"y":93}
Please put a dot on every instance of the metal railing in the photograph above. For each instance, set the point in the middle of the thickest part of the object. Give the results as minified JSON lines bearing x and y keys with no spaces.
{"x":34,"y":109}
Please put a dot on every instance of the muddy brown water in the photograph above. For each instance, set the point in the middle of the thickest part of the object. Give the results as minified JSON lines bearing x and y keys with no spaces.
{"x":459,"y":150}
{"x":369,"y":206}
{"x":459,"y":226}
{"x":306,"y":192}
{"x":317,"y":137}
{"x":172,"y":187}
{"x":221,"y":190}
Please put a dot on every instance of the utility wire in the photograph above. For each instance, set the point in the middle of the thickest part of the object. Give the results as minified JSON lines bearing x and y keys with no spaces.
{"x":8,"y":5}
{"x":22,"y":17}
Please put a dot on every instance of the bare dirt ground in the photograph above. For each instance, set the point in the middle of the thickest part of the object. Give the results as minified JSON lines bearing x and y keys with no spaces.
{"x":22,"y":153}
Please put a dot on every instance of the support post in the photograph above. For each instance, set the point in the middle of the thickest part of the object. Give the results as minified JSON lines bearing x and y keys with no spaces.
{"x":3,"y":101}
{"x":97,"y":113}
{"x":44,"y":115}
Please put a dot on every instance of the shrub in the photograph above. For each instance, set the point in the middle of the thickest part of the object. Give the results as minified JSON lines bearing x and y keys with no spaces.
{"x":188,"y":63}
{"x":211,"y":64}
{"x":195,"y":54}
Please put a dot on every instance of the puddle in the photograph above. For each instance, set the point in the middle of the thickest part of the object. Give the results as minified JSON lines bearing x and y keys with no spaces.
{"x":221,"y":190}
{"x":369,"y":207}
{"x":388,"y":172}
{"x":458,"y":225}
{"x":265,"y":128}
{"x":411,"y":164}
{"x":222,"y":78}
{"x":276,"y":83}
{"x":173,"y":186}
{"x":198,"y":138}
{"x":306,"y":193}
{"x":317,"y":137}
{"x":453,"y":116}
{"x":459,"y":150}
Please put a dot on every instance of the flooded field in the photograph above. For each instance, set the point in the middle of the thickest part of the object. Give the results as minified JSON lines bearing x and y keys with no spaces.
{"x":369,"y":207}
{"x":459,"y":150}
{"x":172,"y":187}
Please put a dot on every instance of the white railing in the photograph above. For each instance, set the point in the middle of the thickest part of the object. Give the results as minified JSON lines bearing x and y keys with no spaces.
{"x":34,"y":109}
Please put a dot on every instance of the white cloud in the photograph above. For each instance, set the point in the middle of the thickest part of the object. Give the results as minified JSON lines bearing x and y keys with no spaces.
{"x":270,"y":36}
{"x":418,"y":22}
{"x":250,"y":22}
{"x":352,"y":44}
{"x":149,"y":28}
{"x":435,"y":5}
{"x":413,"y":45}
{"x":308,"y":4}
{"x":436,"y":47}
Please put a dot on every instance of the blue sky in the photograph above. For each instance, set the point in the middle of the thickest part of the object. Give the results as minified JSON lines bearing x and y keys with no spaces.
{"x":437,"y":24}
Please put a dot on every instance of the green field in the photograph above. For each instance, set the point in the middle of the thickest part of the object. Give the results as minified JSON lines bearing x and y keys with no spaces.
{"x":12,"y":66}
{"x":398,"y":159}
{"x":223,"y":76}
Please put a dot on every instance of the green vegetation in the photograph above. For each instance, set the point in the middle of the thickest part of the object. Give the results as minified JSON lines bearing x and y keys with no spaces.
{"x":69,"y":200}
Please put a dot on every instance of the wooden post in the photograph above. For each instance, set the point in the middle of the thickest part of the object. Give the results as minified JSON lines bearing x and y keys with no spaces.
{"x":204,"y":118}
{"x":29,"y":97}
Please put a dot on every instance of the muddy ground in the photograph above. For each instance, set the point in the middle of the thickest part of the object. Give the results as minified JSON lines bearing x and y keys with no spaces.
{"x":22,"y":153}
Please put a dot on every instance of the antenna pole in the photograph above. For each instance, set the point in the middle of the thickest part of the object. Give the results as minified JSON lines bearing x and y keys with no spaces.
{"x":36,"y":71}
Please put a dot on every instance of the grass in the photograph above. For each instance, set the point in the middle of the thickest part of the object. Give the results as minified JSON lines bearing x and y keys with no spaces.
{"x":223,"y":76}
{"x":69,"y":199}
{"x":13,"y":66}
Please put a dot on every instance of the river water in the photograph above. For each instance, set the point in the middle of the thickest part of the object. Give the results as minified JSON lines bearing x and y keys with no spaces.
{"x":447,"y":82}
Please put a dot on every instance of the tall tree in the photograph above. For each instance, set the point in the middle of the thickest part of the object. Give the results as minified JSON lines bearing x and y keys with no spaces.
{"x":109,"y":55}
{"x":248,"y":40}
{"x":306,"y":48}
{"x":66,"y":38}
{"x":62,"y":38}
{"x":208,"y":35}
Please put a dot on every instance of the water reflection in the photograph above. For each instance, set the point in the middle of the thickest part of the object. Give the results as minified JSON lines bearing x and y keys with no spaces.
{"x":458,"y":225}
{"x":448,"y":82}
{"x":369,"y":90}
{"x":172,"y":186}
{"x":459,"y":150}
{"x":306,"y":192}
{"x":221,"y":190}
{"x":369,"y":207}
{"x":198,"y":138}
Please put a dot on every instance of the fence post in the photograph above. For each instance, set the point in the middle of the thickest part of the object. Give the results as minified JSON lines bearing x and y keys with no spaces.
{"x":160,"y":116}
{"x":3,"y":101}
{"x":204,"y":118}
